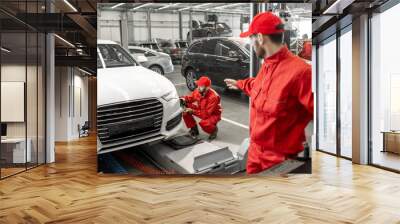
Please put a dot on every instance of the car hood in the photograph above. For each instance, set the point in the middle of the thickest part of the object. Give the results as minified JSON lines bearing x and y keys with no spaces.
{"x":130,"y":83}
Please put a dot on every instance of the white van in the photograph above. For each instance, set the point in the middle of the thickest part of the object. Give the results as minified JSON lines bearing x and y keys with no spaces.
{"x":134,"y":104}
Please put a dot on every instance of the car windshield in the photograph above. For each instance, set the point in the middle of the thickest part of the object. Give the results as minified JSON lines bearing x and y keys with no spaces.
{"x":242,"y":42}
{"x":151,"y":46}
{"x":115,"y":56}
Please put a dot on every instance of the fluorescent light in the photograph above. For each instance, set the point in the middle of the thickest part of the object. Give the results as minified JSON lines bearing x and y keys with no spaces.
{"x":117,"y":5}
{"x":168,"y":6}
{"x":70,"y":5}
{"x":201,"y":5}
{"x":184,"y":8}
{"x":227,"y":5}
{"x":5,"y":50}
{"x":65,"y":41}
{"x":86,"y":72}
{"x":141,"y":6}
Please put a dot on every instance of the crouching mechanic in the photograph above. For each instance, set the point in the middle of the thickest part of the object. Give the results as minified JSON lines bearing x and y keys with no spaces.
{"x":205,"y":104}
{"x":281,"y":98}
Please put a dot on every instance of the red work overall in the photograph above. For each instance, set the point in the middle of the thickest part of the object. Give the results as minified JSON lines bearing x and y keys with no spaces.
{"x":281,"y":107}
{"x":207,"y":108}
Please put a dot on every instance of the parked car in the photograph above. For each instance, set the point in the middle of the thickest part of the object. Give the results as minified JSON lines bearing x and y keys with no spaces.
{"x":156,"y":61}
{"x":134,"y":104}
{"x":152,"y":45}
{"x":217,"y":29}
{"x":173,"y":49}
{"x":218,"y":58}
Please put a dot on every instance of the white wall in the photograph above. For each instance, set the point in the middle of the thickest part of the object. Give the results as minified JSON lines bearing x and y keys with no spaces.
{"x":163,"y":25}
{"x":68,"y":81}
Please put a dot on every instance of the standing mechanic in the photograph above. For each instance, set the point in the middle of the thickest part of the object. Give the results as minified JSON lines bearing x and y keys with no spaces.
{"x":281,"y":98}
{"x":204,"y":103}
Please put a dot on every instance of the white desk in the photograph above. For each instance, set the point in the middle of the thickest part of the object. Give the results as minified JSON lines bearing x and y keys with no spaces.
{"x":18,"y":149}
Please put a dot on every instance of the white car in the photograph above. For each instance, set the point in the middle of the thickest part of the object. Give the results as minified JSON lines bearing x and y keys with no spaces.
{"x":134,"y":104}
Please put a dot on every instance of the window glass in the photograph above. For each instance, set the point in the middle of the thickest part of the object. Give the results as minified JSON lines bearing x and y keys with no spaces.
{"x":115,"y":56}
{"x":136,"y":51}
{"x":385,"y":89}
{"x":346,"y":94}
{"x":99,"y":65}
{"x":327,"y":96}
{"x":196,"y":48}
{"x":227,"y":49}
{"x":222,"y":49}
{"x":209,"y":46}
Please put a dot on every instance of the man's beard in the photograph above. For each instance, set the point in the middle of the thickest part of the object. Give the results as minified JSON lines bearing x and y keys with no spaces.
{"x":260,"y":52}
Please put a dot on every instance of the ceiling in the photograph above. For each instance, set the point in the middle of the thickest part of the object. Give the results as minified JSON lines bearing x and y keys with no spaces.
{"x":74,"y":22}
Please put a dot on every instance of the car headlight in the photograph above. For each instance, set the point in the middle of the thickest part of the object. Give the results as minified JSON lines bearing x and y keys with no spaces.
{"x":170,"y":95}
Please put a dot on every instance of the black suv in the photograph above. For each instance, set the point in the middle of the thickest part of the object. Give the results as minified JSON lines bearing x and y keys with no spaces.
{"x":218,"y":58}
{"x":217,"y":29}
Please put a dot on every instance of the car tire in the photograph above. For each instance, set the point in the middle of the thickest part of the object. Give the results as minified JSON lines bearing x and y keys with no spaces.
{"x":191,"y":78}
{"x":157,"y":69}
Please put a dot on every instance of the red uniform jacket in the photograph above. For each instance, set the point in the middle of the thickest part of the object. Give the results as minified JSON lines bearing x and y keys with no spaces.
{"x":307,"y":50}
{"x":206,"y":106}
{"x":281,"y":102}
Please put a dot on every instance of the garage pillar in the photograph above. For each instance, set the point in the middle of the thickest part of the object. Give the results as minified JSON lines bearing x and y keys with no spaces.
{"x":190,"y":26}
{"x":124,"y":29}
{"x":360,"y":90}
{"x":180,"y":26}
{"x":148,"y":26}
{"x":131,"y":28}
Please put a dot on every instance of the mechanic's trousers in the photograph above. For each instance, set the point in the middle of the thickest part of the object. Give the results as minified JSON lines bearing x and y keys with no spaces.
{"x":260,"y":159}
{"x":208,"y":125}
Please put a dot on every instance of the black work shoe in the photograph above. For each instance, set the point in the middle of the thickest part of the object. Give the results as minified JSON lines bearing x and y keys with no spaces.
{"x":194,"y":132}
{"x":213,"y":135}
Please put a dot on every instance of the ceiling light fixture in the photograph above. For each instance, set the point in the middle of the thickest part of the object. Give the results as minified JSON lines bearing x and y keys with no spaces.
{"x":228,"y":5}
{"x":64,"y":40}
{"x":5,"y":50}
{"x":86,"y":72}
{"x":201,"y":5}
{"x":168,"y":6}
{"x":141,"y":6}
{"x":182,"y":9}
{"x":117,"y":5}
{"x":70,"y":5}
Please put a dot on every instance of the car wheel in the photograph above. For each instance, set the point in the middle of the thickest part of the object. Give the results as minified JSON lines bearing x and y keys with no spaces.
{"x":191,"y":78}
{"x":157,"y":69}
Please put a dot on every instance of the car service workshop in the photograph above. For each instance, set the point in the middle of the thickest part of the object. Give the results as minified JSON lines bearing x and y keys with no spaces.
{"x":87,"y":142}
{"x":182,"y":42}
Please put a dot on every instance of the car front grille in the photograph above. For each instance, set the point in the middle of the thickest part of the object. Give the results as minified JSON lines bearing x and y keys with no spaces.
{"x":129,"y":122}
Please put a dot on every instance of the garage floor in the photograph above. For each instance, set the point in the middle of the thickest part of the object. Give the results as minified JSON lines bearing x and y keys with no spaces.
{"x":233,"y":127}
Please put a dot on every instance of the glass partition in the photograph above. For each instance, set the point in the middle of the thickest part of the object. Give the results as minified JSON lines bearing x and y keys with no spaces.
{"x":23,"y":90}
{"x":327,"y":95}
{"x":346,"y":93}
{"x":385,"y":89}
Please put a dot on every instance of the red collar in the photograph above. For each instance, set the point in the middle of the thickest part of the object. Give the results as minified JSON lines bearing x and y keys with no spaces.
{"x":280,"y":55}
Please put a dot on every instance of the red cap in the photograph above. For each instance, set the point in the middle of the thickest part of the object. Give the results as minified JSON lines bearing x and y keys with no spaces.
{"x":203,"y":81}
{"x":264,"y":23}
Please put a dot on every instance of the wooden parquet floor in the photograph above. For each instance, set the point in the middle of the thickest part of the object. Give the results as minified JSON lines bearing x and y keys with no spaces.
{"x":70,"y":191}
